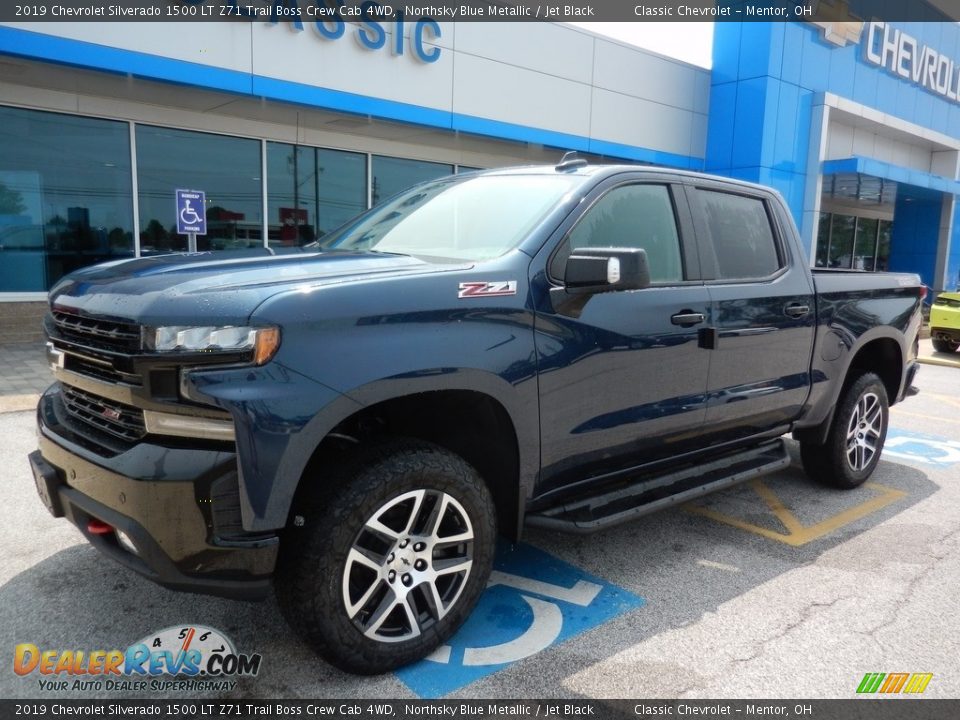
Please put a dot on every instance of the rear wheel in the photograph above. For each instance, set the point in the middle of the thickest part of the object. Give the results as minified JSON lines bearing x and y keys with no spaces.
{"x":381,"y":571}
{"x":945,"y":346}
{"x":856,"y":436}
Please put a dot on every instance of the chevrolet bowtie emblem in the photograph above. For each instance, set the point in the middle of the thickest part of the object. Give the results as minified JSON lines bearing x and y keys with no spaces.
{"x":838,"y":25}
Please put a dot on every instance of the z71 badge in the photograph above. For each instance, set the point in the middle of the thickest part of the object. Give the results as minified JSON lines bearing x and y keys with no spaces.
{"x":487,"y":289}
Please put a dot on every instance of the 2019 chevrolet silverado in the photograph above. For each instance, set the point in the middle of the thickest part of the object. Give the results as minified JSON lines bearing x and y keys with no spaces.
{"x":354,"y":423}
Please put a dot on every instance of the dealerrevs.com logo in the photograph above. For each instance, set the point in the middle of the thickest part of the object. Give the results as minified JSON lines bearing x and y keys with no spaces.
{"x":179,"y":658}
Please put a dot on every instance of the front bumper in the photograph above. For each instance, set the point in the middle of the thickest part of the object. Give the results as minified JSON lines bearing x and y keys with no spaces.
{"x":178,"y":505}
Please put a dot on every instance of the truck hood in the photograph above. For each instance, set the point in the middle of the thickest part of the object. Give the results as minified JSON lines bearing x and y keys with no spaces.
{"x":222,"y":287}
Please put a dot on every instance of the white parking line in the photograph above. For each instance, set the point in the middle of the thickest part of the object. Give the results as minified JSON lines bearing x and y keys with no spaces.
{"x":718,"y":566}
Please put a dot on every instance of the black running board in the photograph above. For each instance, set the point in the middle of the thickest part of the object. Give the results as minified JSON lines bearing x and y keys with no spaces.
{"x":586,"y":515}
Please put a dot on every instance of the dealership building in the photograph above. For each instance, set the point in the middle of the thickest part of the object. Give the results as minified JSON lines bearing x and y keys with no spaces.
{"x":291,"y":130}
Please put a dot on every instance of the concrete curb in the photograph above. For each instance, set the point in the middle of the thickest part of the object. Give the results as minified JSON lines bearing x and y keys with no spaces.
{"x":942,"y":362}
{"x":18,"y":403}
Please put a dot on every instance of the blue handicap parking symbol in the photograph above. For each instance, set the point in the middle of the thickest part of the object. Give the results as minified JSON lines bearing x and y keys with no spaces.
{"x":533,"y":601}
{"x":921,"y":449}
{"x":191,"y":212}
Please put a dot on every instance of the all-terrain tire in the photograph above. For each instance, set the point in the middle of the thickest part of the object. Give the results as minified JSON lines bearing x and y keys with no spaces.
{"x":856,"y":437}
{"x":343,"y":529}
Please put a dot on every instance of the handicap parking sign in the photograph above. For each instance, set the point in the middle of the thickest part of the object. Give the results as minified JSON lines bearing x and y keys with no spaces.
{"x":191,"y":212}
{"x":532,"y":601}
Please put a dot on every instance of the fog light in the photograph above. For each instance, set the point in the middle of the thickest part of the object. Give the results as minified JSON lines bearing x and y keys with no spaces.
{"x":125,"y":542}
{"x":161,"y":423}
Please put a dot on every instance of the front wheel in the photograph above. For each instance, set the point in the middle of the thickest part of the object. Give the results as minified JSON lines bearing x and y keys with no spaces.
{"x":382,"y":570}
{"x":856,"y":436}
{"x":945,"y":346}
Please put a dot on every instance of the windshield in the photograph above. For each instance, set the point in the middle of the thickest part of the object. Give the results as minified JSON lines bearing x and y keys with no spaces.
{"x":472,"y":219}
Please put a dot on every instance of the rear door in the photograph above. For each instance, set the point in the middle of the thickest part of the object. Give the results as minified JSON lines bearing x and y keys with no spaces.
{"x":763,"y":313}
{"x":622,"y":382}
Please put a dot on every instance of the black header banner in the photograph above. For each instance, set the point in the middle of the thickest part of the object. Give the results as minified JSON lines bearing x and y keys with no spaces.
{"x":334,"y":11}
{"x":853,"y":709}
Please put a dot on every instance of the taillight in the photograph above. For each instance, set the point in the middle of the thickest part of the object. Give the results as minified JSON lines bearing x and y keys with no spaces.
{"x":923,"y":291}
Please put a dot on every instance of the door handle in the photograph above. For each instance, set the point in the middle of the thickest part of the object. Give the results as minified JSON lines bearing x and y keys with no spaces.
{"x":796,"y":310}
{"x":687,"y":317}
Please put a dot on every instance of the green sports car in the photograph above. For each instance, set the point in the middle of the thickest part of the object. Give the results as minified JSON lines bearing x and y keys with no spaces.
{"x":945,"y":322}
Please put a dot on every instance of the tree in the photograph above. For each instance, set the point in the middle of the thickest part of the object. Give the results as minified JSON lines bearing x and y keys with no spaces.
{"x":11,"y":201}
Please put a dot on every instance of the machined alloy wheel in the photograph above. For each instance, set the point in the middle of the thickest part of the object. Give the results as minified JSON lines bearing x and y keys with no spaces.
{"x":864,"y":431}
{"x":855,"y":438}
{"x":408,"y":565}
{"x":386,"y":554}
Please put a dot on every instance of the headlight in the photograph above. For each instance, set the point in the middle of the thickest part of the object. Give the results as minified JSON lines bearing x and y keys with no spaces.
{"x":263,"y":341}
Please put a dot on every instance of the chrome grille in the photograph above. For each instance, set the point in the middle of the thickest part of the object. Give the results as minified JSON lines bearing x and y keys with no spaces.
{"x":117,"y":419}
{"x":97,"y":333}
{"x":96,"y":369}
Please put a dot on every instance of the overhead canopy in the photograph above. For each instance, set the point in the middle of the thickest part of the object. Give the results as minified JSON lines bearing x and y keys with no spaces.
{"x":887,"y":171}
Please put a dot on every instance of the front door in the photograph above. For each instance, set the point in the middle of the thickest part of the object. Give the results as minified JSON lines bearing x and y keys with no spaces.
{"x":622,"y":379}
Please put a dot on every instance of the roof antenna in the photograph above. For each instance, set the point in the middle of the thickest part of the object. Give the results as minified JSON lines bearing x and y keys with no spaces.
{"x":570,"y":161}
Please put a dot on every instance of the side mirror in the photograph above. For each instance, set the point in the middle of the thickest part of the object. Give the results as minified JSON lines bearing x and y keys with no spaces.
{"x":597,"y":270}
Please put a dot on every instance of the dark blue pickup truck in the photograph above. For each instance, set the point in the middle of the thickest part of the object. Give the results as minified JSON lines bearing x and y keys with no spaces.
{"x":354,"y":423}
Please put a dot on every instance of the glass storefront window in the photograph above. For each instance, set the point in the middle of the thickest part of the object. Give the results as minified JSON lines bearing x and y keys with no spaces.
{"x":823,"y":240}
{"x":884,"y":233}
{"x":343,"y":188}
{"x":391,"y":175}
{"x":865,"y":247}
{"x":65,"y":196}
{"x":226,"y":168}
{"x":852,"y":242}
{"x":841,"y":241}
{"x":311,"y":191}
{"x":291,"y":194}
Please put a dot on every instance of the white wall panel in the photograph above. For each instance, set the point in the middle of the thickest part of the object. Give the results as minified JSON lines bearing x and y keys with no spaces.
{"x":506,"y":93}
{"x":624,"y":119}
{"x":305,"y":57}
{"x":698,"y":135}
{"x":546,"y":48}
{"x":645,"y":75}
{"x":864,"y":142}
{"x":223,"y":45}
{"x":839,"y":141}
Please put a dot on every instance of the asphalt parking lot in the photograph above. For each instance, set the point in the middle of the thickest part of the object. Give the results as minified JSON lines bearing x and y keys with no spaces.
{"x":776,"y":589}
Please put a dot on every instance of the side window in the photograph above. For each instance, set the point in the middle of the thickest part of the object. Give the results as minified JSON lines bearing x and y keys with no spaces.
{"x":630,"y":216}
{"x":743,"y":240}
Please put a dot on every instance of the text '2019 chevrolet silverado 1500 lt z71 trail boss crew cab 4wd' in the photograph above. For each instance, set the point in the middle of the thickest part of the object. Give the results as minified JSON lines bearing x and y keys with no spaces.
{"x":355,"y":422}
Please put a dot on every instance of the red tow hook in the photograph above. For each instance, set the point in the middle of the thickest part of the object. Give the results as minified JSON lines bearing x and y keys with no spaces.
{"x":98,"y":527}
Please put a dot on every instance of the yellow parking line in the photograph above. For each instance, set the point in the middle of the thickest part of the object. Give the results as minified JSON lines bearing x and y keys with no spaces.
{"x":951,"y":399}
{"x":898,"y":411}
{"x":797,"y":534}
{"x":789,"y":520}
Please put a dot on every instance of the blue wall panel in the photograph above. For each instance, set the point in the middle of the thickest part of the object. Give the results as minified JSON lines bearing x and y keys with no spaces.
{"x":816,"y":62}
{"x":755,"y":49}
{"x":720,"y":127}
{"x":794,"y":40}
{"x":953,"y":259}
{"x":842,"y":71}
{"x":726,"y":45}
{"x":913,"y":247}
{"x":785,"y":155}
{"x":756,"y":98}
